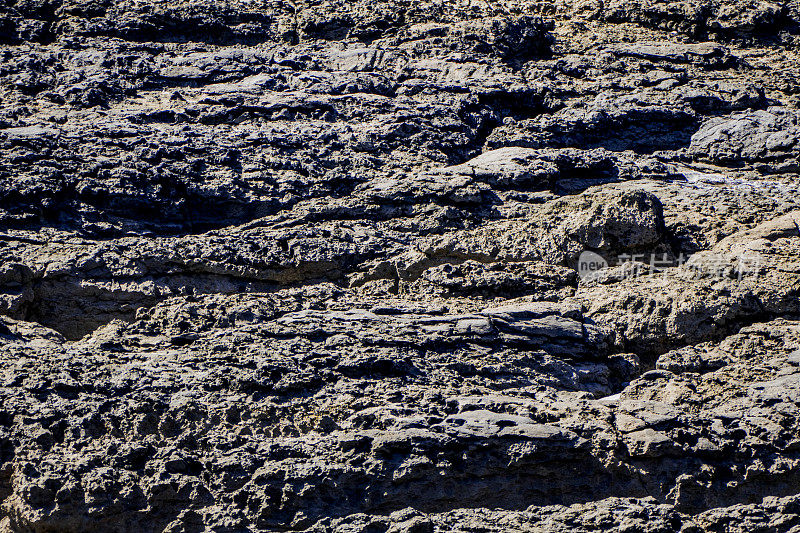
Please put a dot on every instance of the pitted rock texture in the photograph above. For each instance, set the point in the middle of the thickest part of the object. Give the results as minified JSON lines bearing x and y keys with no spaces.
{"x":322,"y":266}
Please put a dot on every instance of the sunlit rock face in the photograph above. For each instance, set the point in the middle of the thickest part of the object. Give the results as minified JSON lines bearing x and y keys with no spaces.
{"x":399,"y":266}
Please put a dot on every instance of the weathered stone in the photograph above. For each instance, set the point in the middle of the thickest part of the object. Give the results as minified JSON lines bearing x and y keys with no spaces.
{"x":317,"y":266}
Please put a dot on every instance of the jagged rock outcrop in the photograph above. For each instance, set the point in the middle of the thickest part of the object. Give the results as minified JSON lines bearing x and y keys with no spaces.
{"x":402,"y":266}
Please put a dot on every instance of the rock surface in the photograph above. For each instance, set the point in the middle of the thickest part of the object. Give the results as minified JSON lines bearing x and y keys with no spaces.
{"x":400,"y":266}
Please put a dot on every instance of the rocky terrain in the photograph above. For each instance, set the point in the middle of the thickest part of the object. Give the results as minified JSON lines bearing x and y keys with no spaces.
{"x":316,"y":266}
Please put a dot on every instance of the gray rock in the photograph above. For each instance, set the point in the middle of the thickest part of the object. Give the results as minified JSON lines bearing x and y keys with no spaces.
{"x":768,"y":139}
{"x":313,"y":266}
